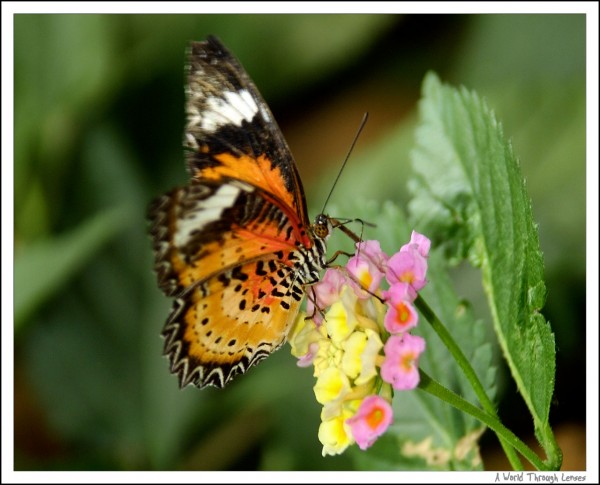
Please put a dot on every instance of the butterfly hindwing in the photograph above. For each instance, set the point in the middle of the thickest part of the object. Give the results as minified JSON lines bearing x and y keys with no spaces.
{"x":222,"y":326}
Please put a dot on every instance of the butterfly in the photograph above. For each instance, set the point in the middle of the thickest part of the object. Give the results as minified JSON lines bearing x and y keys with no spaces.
{"x":234,"y":247}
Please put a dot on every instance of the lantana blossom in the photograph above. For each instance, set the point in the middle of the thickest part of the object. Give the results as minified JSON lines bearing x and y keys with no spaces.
{"x":420,"y":242}
{"x":368,"y":265}
{"x":408,"y":266}
{"x":401,"y":316}
{"x":355,"y":334}
{"x":370,"y":421}
{"x":401,"y":360}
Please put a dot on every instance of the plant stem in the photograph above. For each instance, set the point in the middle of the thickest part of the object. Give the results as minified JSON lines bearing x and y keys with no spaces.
{"x":553,"y":452}
{"x":469,"y":372}
{"x":427,"y":384}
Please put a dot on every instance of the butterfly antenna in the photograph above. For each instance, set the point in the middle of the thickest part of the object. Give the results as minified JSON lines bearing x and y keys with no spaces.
{"x":360,"y":128}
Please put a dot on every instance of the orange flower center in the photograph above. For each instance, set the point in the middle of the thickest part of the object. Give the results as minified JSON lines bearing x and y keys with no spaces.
{"x":374,"y":418}
{"x":407,"y":277}
{"x":407,"y":361}
{"x":403,"y":313}
{"x":366,"y":279}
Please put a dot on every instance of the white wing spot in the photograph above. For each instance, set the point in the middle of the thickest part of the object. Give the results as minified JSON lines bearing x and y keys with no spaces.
{"x":249,"y":103}
{"x":206,"y":211}
{"x":233,"y":108}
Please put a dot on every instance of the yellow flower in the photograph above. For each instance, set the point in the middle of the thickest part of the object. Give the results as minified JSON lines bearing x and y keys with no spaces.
{"x":335,"y":434}
{"x":373,"y":309}
{"x":353,"y":348}
{"x":360,"y":355}
{"x":332,"y":386}
{"x":329,"y":354}
{"x":340,"y":320}
{"x":368,"y":357}
{"x":302,"y":334}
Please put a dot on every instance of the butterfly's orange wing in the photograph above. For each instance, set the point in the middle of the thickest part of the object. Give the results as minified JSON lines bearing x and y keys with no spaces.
{"x":233,"y":247}
{"x":231,"y":133}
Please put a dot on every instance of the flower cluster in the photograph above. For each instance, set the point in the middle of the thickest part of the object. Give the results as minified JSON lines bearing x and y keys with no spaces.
{"x":355,"y":334}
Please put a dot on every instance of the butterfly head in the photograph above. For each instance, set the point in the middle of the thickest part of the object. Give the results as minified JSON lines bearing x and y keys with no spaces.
{"x":322,"y":226}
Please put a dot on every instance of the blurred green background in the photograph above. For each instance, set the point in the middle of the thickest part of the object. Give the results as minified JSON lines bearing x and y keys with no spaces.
{"x":98,"y":126}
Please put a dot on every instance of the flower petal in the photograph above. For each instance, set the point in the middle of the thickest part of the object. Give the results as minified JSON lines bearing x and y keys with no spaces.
{"x":400,"y":367}
{"x":332,"y":385}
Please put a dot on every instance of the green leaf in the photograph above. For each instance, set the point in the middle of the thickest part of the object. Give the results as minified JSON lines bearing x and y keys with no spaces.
{"x":470,"y":197}
{"x":42,"y":268}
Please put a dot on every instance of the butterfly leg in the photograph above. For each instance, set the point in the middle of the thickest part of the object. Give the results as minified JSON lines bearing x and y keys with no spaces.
{"x":313,"y":300}
{"x":336,"y":255}
{"x":360,"y":285}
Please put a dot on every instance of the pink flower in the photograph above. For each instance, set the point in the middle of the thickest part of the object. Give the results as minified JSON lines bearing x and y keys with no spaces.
{"x":370,"y":421}
{"x":400,"y":367}
{"x":407,"y":266}
{"x":401,"y":316}
{"x":365,"y":273}
{"x":420,"y":242}
{"x":371,"y":250}
{"x":325,"y":293}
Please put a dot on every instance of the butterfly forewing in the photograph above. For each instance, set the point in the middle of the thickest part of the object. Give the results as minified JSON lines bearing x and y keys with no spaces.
{"x":233,"y":247}
{"x":229,"y":125}
{"x":205,"y":228}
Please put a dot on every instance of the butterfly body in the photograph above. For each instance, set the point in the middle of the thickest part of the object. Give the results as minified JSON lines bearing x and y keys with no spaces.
{"x":233,"y":247}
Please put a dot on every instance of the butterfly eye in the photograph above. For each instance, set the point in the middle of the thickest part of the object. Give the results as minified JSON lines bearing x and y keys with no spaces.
{"x":322,"y":226}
